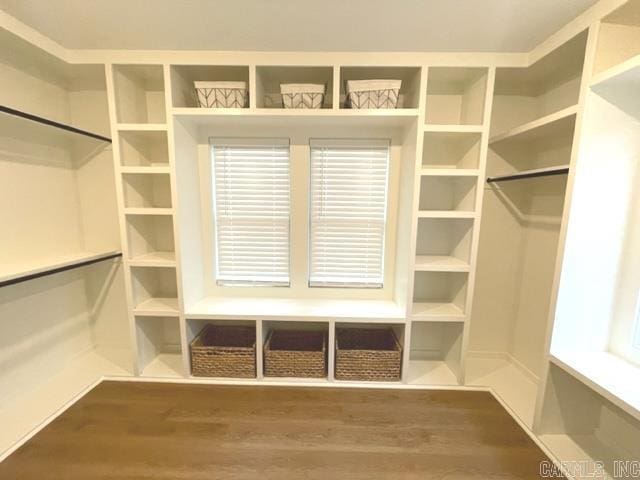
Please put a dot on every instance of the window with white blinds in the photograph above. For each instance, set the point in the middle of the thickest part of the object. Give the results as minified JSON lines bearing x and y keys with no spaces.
{"x":251,"y":211}
{"x":348,"y":209}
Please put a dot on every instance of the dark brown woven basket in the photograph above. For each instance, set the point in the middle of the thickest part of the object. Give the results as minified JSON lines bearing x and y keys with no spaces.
{"x":372,"y":354}
{"x":224,"y":351}
{"x":295,"y":353}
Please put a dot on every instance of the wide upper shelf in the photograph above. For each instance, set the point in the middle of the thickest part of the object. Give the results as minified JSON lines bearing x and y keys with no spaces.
{"x":619,"y":85}
{"x":555,"y":125}
{"x":35,"y":129}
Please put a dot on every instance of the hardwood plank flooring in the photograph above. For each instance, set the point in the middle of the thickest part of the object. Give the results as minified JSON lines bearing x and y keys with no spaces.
{"x":126,"y":430}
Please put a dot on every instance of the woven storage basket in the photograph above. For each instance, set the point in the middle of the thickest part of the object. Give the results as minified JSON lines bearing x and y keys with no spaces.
{"x":294,"y":353}
{"x":224,"y":351}
{"x":222,"y":94}
{"x":367,"y":354}
{"x":302,"y":95}
{"x":373,"y":93}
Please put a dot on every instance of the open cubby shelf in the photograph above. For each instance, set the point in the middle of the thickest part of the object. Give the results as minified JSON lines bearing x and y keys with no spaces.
{"x":434,"y":356}
{"x":150,"y":237}
{"x":439,"y":294}
{"x":409,"y":90}
{"x":441,"y":193}
{"x":446,"y":150}
{"x":618,"y":37}
{"x":144,"y":149}
{"x":456,"y":95}
{"x":183,"y":91}
{"x":139,"y":94}
{"x":159,"y":346}
{"x":269,"y":78}
{"x":154,"y":290}
{"x":143,"y":190}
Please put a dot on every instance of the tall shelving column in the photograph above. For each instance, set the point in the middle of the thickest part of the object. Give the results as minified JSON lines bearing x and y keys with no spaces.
{"x":447,"y":203}
{"x":144,"y":183}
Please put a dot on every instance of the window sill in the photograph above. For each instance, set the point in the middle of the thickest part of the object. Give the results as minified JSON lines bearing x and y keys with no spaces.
{"x":612,"y":377}
{"x":242,"y":308}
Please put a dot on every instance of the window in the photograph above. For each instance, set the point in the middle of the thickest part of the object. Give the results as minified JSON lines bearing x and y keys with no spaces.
{"x":348,"y":208}
{"x":251,"y":211}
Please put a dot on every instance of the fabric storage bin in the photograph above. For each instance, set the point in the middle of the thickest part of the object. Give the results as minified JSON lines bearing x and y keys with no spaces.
{"x":224,"y":351}
{"x":222,"y":94}
{"x":293,"y":353}
{"x":373,"y":93}
{"x":302,"y":95}
{"x":372,"y":354}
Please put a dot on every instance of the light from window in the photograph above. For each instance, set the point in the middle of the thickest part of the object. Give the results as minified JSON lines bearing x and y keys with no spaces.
{"x":251,"y":211}
{"x":348,"y":209}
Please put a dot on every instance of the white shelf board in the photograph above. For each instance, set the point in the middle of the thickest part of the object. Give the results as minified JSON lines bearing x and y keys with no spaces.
{"x":15,"y":270}
{"x":141,"y":127}
{"x":449,"y":172}
{"x":625,"y":71}
{"x":146,"y":170}
{"x":619,"y":85}
{"x":453,"y":128}
{"x":293,"y":309}
{"x":154,"y":259}
{"x":430,"y":372}
{"x":436,"y":312}
{"x":559,"y":123}
{"x":196,"y":117}
{"x":148,"y":211}
{"x":440,"y":263}
{"x":445,"y":214}
{"x":28,"y":412}
{"x":610,"y":376}
{"x":165,"y":365}
{"x":157,"y":307}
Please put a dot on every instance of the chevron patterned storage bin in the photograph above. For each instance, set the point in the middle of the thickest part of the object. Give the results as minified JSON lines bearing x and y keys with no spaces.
{"x":302,"y":95}
{"x":222,"y":94}
{"x":373,"y":93}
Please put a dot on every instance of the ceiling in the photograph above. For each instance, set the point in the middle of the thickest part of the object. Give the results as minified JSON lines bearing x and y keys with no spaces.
{"x":300,"y":25}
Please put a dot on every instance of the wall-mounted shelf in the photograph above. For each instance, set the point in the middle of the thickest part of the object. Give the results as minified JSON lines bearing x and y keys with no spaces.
{"x":436,"y":312}
{"x":539,"y":172}
{"x":556,"y":124}
{"x":440,"y":263}
{"x":42,"y":130}
{"x":58,"y":265}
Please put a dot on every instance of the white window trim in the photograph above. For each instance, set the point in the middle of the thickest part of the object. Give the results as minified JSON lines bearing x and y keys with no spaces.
{"x":221,"y":279}
{"x":337,"y":143}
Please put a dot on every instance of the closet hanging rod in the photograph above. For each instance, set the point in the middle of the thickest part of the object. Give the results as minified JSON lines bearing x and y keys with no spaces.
{"x":541,"y":172}
{"x":52,"y":123}
{"x":64,"y":268}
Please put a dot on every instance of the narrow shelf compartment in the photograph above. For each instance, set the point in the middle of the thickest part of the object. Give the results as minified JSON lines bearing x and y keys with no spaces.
{"x":142,"y":190}
{"x":29,"y":127}
{"x":144,"y":149}
{"x":155,"y":290}
{"x":183,"y":91}
{"x":447,"y":150}
{"x":12,"y":273}
{"x":159,"y":347}
{"x":150,"y":237}
{"x":456,"y":95}
{"x":537,"y":173}
{"x":435,"y":353}
{"x":522,"y":96}
{"x":440,"y":263}
{"x":443,"y":240}
{"x":409,"y":90}
{"x":618,"y":37}
{"x":139,"y":93}
{"x":619,"y":86}
{"x":269,"y":78}
{"x":559,"y":124}
{"x":440,"y":193}
{"x":439,"y":296}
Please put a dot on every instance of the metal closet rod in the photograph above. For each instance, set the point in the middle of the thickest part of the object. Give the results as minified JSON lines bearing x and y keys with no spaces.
{"x":52,"y":123}
{"x":53,"y":271}
{"x":544,"y":172}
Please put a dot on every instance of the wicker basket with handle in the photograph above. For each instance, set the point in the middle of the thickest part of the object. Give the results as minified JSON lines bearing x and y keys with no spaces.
{"x":295,"y":353}
{"x":372,"y":354}
{"x":224,"y":351}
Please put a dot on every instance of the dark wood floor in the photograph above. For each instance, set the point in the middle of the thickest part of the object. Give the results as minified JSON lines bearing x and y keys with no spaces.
{"x":123,"y":430}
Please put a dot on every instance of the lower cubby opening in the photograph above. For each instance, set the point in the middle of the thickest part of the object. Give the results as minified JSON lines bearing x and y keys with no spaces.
{"x":150,"y":237}
{"x":451,"y":150}
{"x":445,"y":241}
{"x":295,"y":349}
{"x":222,"y":348}
{"x":441,"y":193}
{"x":370,"y":352}
{"x":159,"y":347}
{"x":440,"y":296}
{"x":146,"y":190}
{"x":155,"y":290}
{"x":435,"y":353}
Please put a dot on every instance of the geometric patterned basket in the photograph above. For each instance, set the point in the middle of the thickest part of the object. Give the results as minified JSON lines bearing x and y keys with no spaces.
{"x":222,"y":94}
{"x":224,"y":351}
{"x":373,"y":93}
{"x":370,"y":354}
{"x":294,"y":353}
{"x":302,"y":95}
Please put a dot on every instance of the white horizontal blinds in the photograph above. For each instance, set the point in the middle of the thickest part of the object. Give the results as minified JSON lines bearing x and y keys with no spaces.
{"x":348,"y":212}
{"x":251,"y":205}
